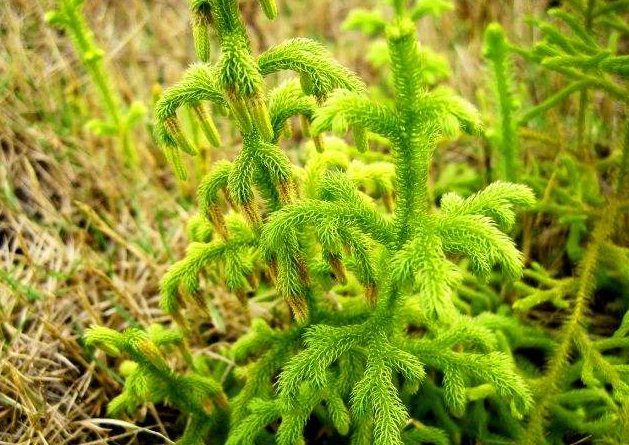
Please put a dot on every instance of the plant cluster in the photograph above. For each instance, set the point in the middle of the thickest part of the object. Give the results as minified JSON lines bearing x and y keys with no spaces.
{"x":119,"y":121}
{"x":584,"y":388}
{"x":391,"y":319}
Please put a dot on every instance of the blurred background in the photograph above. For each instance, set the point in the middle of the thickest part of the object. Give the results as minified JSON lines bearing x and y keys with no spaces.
{"x":81,"y":240}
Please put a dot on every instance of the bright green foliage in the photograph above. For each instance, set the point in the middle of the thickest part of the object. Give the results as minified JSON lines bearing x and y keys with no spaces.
{"x":149,"y":378}
{"x":119,"y":121}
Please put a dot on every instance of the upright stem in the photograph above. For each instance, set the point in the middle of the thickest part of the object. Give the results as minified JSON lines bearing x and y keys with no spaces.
{"x":87,"y":49}
{"x":623,"y":172}
{"x":92,"y":57}
{"x":582,"y":146}
{"x":551,"y":382}
{"x":413,"y":146}
{"x":508,"y":138}
{"x":400,"y":7}
{"x":589,"y":14}
{"x":496,"y":51}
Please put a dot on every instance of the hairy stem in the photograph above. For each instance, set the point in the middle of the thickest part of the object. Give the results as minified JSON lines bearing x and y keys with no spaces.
{"x":551,"y":383}
{"x":413,"y":148}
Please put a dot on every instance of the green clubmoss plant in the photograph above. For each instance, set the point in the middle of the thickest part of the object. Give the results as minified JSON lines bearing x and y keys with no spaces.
{"x":119,"y":121}
{"x":150,"y":378}
{"x":377,"y":348}
{"x":504,"y":138}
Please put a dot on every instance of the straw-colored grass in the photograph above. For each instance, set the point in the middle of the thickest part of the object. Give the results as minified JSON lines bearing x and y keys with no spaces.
{"x":79,"y":242}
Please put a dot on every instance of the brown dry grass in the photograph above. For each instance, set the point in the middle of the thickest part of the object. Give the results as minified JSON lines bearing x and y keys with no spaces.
{"x":79,"y":242}
{"x":83,"y":242}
